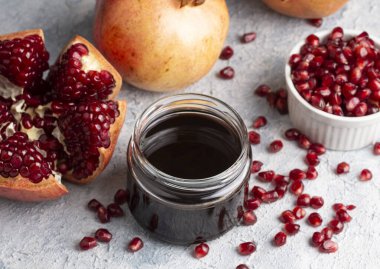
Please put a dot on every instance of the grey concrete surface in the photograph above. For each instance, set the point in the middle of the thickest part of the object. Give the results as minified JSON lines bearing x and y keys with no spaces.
{"x":46,"y":235}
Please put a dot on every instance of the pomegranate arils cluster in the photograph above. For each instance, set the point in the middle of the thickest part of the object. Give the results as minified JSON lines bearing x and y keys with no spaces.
{"x":277,"y":99}
{"x":338,"y":76}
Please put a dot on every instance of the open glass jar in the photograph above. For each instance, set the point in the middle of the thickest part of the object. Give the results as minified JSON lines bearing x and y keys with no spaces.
{"x":189,"y":163}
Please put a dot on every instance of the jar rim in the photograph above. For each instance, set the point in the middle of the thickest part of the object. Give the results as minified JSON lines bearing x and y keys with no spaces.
{"x":201,"y":100}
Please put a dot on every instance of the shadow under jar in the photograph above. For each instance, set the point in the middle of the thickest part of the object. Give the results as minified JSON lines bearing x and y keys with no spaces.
{"x":189,"y":163}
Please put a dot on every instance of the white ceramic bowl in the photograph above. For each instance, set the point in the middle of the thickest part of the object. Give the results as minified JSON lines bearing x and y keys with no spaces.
{"x":335,"y":132}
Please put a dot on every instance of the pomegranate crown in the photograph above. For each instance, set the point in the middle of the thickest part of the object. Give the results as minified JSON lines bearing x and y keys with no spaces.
{"x":191,"y":2}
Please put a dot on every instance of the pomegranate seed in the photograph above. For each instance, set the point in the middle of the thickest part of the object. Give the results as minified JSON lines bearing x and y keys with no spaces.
{"x":94,"y":205}
{"x":336,"y":226}
{"x":292,"y":134}
{"x":121,"y":196}
{"x":312,"y":159}
{"x":258,"y":192}
{"x":296,"y":187}
{"x":263,"y":90}
{"x":135,"y":244}
{"x":226,"y":53}
{"x":266,"y":176}
{"x":275,"y":146}
{"x":248,"y":37}
{"x":242,"y":266}
{"x":317,"y":239}
{"x":315,"y":219}
{"x":297,"y":174}
{"x":304,"y":142}
{"x":247,"y":248}
{"x":319,"y":149}
{"x":291,"y":228}
{"x":338,"y":206}
{"x":103,"y":235}
{"x":376,"y":148}
{"x":270,"y":196}
{"x":280,"y":239}
{"x":201,"y":250}
{"x":87,"y":243}
{"x":328,"y":246}
{"x":351,"y":207}
{"x":280,"y":180}
{"x":294,"y":60}
{"x":343,"y":216}
{"x":327,"y":233}
{"x":227,"y":73}
{"x":103,"y":215}
{"x":254,"y":137}
{"x":259,"y":122}
{"x":311,"y":173}
{"x":281,"y":190}
{"x":287,"y":217}
{"x":316,"y":202}
{"x":343,"y":168}
{"x":256,"y":166}
{"x":316,"y":22}
{"x":299,"y":212}
{"x":114,"y":210}
{"x":249,"y":218}
{"x":252,"y":204}
{"x":312,"y":40}
{"x":303,"y":200}
{"x":365,"y":175}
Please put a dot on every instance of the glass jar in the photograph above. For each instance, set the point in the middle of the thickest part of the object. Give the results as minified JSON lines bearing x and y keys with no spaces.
{"x":187,"y":210}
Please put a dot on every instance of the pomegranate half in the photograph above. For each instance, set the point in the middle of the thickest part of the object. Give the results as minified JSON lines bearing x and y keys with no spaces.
{"x":161,"y":45}
{"x":308,"y":9}
{"x":65,"y":125}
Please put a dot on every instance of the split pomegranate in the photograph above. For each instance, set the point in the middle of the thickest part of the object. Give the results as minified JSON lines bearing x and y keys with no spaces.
{"x":135,"y":244}
{"x":103,"y":235}
{"x":247,"y":248}
{"x":201,"y":250}
{"x":161,"y":45}
{"x":280,"y":239}
{"x":338,"y":76}
{"x":87,"y":243}
{"x":65,"y":125}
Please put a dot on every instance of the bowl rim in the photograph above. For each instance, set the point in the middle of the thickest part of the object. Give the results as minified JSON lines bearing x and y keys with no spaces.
{"x":292,"y":89}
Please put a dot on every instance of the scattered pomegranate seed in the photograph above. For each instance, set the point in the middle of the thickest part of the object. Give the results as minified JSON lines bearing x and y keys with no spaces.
{"x":103,"y":235}
{"x":258,"y":192}
{"x":311,"y":173}
{"x":312,"y":159}
{"x":376,"y":148}
{"x":296,"y":187}
{"x":338,"y":206}
{"x":249,"y":218}
{"x":263,"y":90}
{"x":94,"y":205}
{"x":292,"y":134}
{"x":343,"y":216}
{"x":365,"y":175}
{"x":319,"y":149}
{"x":328,"y":246}
{"x":304,"y":142}
{"x":256,"y":166}
{"x":297,"y":174}
{"x":252,"y":204}
{"x":291,"y":228}
{"x":351,"y":207}
{"x":281,"y":190}
{"x":247,"y":248}
{"x":316,"y":202}
{"x":114,"y":210}
{"x":343,"y":168}
{"x":254,"y":137}
{"x":303,"y":200}
{"x":315,"y":219}
{"x":266,"y":176}
{"x":103,"y":215}
{"x":242,"y":266}
{"x":135,"y":244}
{"x":316,"y":22}
{"x":227,"y":73}
{"x":299,"y":212}
{"x":317,"y":239}
{"x":280,"y":239}
{"x":121,"y":196}
{"x":201,"y":250}
{"x":270,"y":196}
{"x":87,"y":243}
{"x":280,"y":180}
{"x":259,"y":122}
{"x":226,"y":53}
{"x":327,"y":233}
{"x":248,"y":37}
{"x":336,"y":226}
{"x":276,"y":146}
{"x":288,"y":217}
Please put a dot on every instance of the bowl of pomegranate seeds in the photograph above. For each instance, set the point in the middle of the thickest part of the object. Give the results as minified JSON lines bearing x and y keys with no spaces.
{"x":333,"y":80}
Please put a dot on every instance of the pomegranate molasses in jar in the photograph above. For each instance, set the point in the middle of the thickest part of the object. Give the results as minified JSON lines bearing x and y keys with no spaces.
{"x":188,"y":168}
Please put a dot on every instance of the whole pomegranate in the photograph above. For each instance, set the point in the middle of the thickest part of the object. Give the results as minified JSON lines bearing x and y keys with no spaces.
{"x":65,"y":125}
{"x":161,"y":45}
{"x":308,"y":9}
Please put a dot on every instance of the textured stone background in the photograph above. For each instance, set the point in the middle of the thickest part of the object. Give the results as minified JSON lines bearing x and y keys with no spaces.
{"x":46,"y":235}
